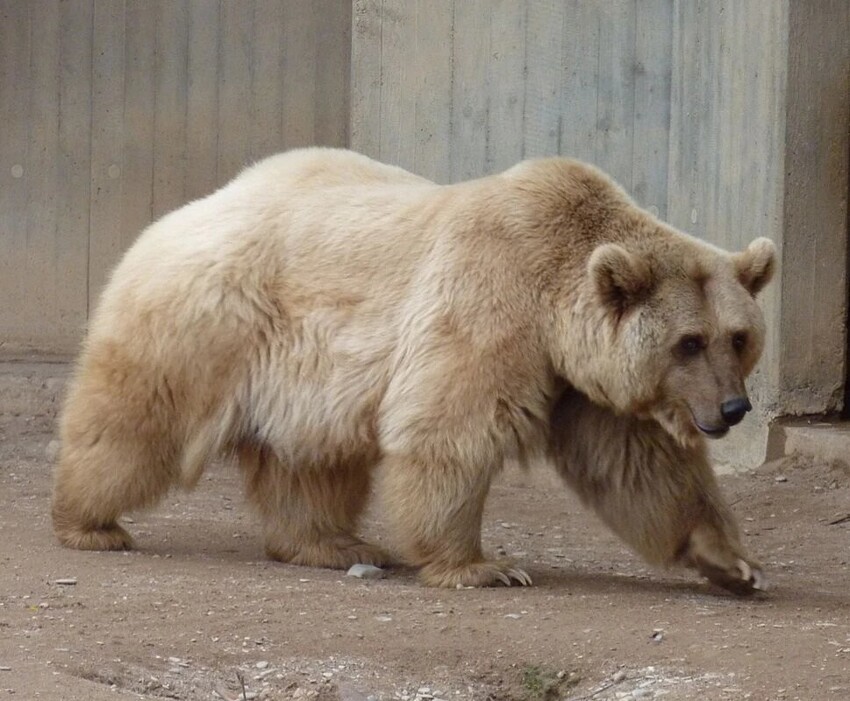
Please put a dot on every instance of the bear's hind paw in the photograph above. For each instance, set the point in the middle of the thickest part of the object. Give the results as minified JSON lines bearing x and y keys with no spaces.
{"x":476,"y":574}
{"x":112,"y":537}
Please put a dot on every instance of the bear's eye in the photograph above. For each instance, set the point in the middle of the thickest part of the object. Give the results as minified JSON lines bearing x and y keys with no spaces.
{"x":690,"y":346}
{"x":739,"y":341}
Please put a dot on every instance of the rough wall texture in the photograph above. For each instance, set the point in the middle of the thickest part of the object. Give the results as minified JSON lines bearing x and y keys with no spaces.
{"x":115,"y":111}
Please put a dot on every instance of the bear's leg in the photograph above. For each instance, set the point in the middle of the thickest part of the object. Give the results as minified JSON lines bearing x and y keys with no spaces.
{"x":112,"y":460}
{"x":658,"y":496}
{"x":436,"y":513}
{"x":310,"y":514}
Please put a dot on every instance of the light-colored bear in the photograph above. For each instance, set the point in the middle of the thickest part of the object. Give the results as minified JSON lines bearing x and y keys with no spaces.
{"x":324,"y":315}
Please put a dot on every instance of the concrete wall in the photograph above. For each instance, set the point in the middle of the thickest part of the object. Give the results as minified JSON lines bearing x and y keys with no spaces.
{"x":728,"y":118}
{"x":114,"y":112}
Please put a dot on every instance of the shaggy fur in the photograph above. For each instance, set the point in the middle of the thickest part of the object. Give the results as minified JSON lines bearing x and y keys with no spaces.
{"x":324,"y":314}
{"x":660,"y":497}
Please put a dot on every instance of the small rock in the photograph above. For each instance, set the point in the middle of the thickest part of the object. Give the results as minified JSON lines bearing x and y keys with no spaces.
{"x":512,"y":615}
{"x":3,"y":668}
{"x":66,"y":581}
{"x":52,"y":450}
{"x":384,"y":619}
{"x":618,"y":676}
{"x":657,"y":635}
{"x":262,"y":664}
{"x":780,"y":478}
{"x":366,"y":572}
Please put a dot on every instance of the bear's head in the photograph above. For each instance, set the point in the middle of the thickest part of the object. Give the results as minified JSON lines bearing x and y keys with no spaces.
{"x":679,"y":326}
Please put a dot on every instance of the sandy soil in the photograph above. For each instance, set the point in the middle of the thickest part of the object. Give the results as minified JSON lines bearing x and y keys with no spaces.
{"x":198,"y":613}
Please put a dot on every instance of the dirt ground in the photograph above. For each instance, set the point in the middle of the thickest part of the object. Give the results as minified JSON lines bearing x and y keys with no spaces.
{"x":198,"y":613}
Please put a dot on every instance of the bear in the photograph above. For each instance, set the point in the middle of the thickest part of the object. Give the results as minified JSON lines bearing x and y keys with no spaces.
{"x":331,"y":322}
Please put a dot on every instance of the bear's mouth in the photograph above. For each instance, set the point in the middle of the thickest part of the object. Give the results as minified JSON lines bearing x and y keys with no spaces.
{"x":712,"y":431}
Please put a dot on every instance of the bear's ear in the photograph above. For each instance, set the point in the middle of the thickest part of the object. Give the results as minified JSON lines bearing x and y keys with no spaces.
{"x":755,"y":265}
{"x":621,"y":278}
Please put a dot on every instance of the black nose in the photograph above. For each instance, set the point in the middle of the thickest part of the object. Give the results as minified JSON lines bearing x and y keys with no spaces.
{"x":733,"y":410}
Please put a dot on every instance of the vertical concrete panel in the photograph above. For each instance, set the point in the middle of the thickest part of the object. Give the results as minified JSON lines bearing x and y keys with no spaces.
{"x":398,"y":92}
{"x":38,"y":301}
{"x":432,"y":86}
{"x":16,"y":174}
{"x":614,"y":144}
{"x":544,"y":70}
{"x":264,"y":123}
{"x":471,"y":90}
{"x":506,"y":78}
{"x":299,"y":74}
{"x":580,"y":80}
{"x":651,"y":123}
{"x":366,"y":77}
{"x":170,"y":105}
{"x":332,"y":76}
{"x":107,"y":146}
{"x":817,"y":143}
{"x":202,"y":133}
{"x":235,"y":86}
{"x":139,"y":118}
{"x":70,"y":255}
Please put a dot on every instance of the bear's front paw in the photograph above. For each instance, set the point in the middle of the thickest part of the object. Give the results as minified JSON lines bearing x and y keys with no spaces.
{"x":488,"y":573}
{"x":742,"y":577}
{"x":336,"y":553}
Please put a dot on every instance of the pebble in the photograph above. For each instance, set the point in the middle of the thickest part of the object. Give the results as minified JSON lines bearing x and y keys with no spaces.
{"x":262,"y":664}
{"x":366,"y":572}
{"x":5,"y":669}
{"x":618,"y":676}
{"x":657,"y":635}
{"x":384,"y":619}
{"x":781,"y":478}
{"x":66,"y":581}
{"x":52,"y":450}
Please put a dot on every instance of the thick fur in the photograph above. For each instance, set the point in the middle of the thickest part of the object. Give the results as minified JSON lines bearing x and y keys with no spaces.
{"x":660,"y":497}
{"x":324,"y":314}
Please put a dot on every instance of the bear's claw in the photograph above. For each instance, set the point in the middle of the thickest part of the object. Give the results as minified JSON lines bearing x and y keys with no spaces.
{"x":477,"y":574}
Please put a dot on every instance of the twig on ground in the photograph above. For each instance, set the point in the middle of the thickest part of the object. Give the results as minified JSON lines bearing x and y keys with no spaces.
{"x":596,"y":692}
{"x":241,"y":678}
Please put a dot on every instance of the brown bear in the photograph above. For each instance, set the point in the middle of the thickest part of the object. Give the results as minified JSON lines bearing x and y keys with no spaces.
{"x":325,"y":318}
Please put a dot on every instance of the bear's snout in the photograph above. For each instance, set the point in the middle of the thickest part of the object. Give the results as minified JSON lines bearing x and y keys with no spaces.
{"x":733,"y":410}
